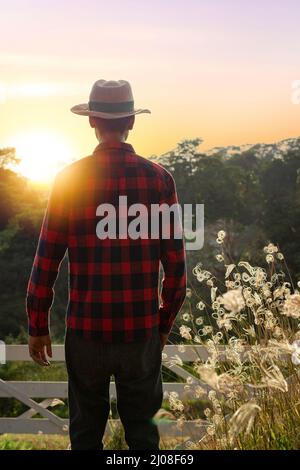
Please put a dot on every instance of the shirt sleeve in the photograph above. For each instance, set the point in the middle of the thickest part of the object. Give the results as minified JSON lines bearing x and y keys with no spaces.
{"x":50,"y":252}
{"x":173,"y":260}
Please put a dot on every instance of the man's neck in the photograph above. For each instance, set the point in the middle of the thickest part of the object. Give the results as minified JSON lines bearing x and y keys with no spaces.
{"x":109,"y":138}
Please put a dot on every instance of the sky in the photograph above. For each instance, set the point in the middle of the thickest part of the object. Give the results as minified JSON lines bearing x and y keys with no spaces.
{"x":220,"y":70}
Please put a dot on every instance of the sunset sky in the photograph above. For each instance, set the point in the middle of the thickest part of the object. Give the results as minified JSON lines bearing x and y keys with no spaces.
{"x":221,"y":70}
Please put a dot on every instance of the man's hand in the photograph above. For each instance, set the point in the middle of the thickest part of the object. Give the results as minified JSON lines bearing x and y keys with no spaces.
{"x":163,"y":339}
{"x":38,"y":346}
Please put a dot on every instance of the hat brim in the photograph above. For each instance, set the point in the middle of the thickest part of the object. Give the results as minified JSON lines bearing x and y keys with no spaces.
{"x":83,"y":110}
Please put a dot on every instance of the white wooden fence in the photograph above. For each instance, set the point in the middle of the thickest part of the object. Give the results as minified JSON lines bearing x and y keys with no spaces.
{"x":28,"y":392}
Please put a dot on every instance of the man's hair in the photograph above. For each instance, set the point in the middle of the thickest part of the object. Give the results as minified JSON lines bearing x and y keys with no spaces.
{"x":113,"y":125}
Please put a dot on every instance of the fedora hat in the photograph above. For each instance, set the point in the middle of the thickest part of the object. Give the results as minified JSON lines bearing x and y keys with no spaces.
{"x":109,"y":99}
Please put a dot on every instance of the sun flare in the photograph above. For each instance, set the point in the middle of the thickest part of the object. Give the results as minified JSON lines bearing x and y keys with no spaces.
{"x":42,"y":153}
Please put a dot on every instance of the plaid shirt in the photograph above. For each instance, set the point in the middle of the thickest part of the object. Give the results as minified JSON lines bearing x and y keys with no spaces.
{"x":113,"y":283}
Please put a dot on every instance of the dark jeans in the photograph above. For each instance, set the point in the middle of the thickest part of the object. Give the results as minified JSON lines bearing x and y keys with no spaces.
{"x":137,"y":371}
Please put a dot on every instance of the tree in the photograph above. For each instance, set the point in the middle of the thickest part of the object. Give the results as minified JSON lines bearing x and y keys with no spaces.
{"x":8,"y":157}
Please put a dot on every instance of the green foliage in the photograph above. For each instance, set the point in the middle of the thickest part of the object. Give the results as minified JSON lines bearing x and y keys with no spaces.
{"x":21,"y":212}
{"x":8,"y":444}
{"x":33,"y":442}
{"x":8,"y":158}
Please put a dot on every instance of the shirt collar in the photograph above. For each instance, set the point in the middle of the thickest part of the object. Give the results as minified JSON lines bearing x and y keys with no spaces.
{"x":114,"y":145}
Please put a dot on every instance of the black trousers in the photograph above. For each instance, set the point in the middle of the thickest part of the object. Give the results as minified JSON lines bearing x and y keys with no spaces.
{"x":136,"y":368}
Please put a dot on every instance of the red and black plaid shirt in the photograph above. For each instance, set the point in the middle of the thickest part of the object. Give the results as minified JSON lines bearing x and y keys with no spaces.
{"x":113,"y":283}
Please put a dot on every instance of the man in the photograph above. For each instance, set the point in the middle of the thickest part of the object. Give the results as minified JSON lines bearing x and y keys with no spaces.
{"x":115,"y":324}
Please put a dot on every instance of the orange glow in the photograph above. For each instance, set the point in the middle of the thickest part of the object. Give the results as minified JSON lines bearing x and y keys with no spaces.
{"x":43,"y":153}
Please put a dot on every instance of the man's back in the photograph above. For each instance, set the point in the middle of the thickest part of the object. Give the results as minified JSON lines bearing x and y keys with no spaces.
{"x":115,"y":325}
{"x":113,"y":280}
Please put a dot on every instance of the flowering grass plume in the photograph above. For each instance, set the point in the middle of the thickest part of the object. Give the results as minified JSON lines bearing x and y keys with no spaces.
{"x":248,"y":323}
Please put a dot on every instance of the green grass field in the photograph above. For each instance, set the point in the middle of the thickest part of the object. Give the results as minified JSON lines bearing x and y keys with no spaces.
{"x":33,"y":442}
{"x":56,"y":442}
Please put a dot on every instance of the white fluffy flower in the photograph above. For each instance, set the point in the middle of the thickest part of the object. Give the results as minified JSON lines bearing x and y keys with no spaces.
{"x":269,"y":258}
{"x":200,"y":305}
{"x":233,"y":300}
{"x":175,"y":361}
{"x":185,"y":332}
{"x":197,"y":339}
{"x":292,"y":306}
{"x":270,"y":249}
{"x":207,"y":330}
{"x":221,"y":234}
{"x":296,"y":352}
{"x":186,"y":317}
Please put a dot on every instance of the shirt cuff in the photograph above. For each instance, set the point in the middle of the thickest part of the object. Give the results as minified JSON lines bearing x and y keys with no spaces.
{"x":38,"y":323}
{"x":32,"y":331}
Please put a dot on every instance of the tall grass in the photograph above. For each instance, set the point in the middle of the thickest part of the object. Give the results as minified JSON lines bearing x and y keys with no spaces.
{"x":254,"y":312}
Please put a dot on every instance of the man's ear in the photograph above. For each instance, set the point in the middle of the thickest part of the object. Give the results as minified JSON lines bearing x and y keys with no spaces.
{"x":131,"y":122}
{"x":92,"y":121}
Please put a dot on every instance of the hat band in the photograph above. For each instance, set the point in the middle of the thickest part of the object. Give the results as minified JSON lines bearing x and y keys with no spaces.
{"x":122,"y":107}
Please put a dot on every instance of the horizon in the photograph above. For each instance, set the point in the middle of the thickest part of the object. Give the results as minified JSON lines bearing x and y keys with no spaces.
{"x":45,"y":184}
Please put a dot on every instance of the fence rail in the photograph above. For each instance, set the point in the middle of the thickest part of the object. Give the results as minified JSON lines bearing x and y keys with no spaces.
{"x":28,"y":392}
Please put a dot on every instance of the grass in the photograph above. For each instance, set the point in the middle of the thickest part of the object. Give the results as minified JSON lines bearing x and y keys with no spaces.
{"x":33,"y":442}
{"x":57,"y":442}
{"x":255,"y":312}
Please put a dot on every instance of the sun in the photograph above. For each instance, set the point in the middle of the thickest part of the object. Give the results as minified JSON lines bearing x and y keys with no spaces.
{"x":42,"y":153}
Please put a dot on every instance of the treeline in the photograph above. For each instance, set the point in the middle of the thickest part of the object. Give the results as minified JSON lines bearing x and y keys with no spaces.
{"x":253,"y":195}
{"x":254,"y":198}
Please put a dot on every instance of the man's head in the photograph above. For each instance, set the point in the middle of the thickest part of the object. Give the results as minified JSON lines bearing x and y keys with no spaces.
{"x":110,"y":109}
{"x":112,"y":129}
